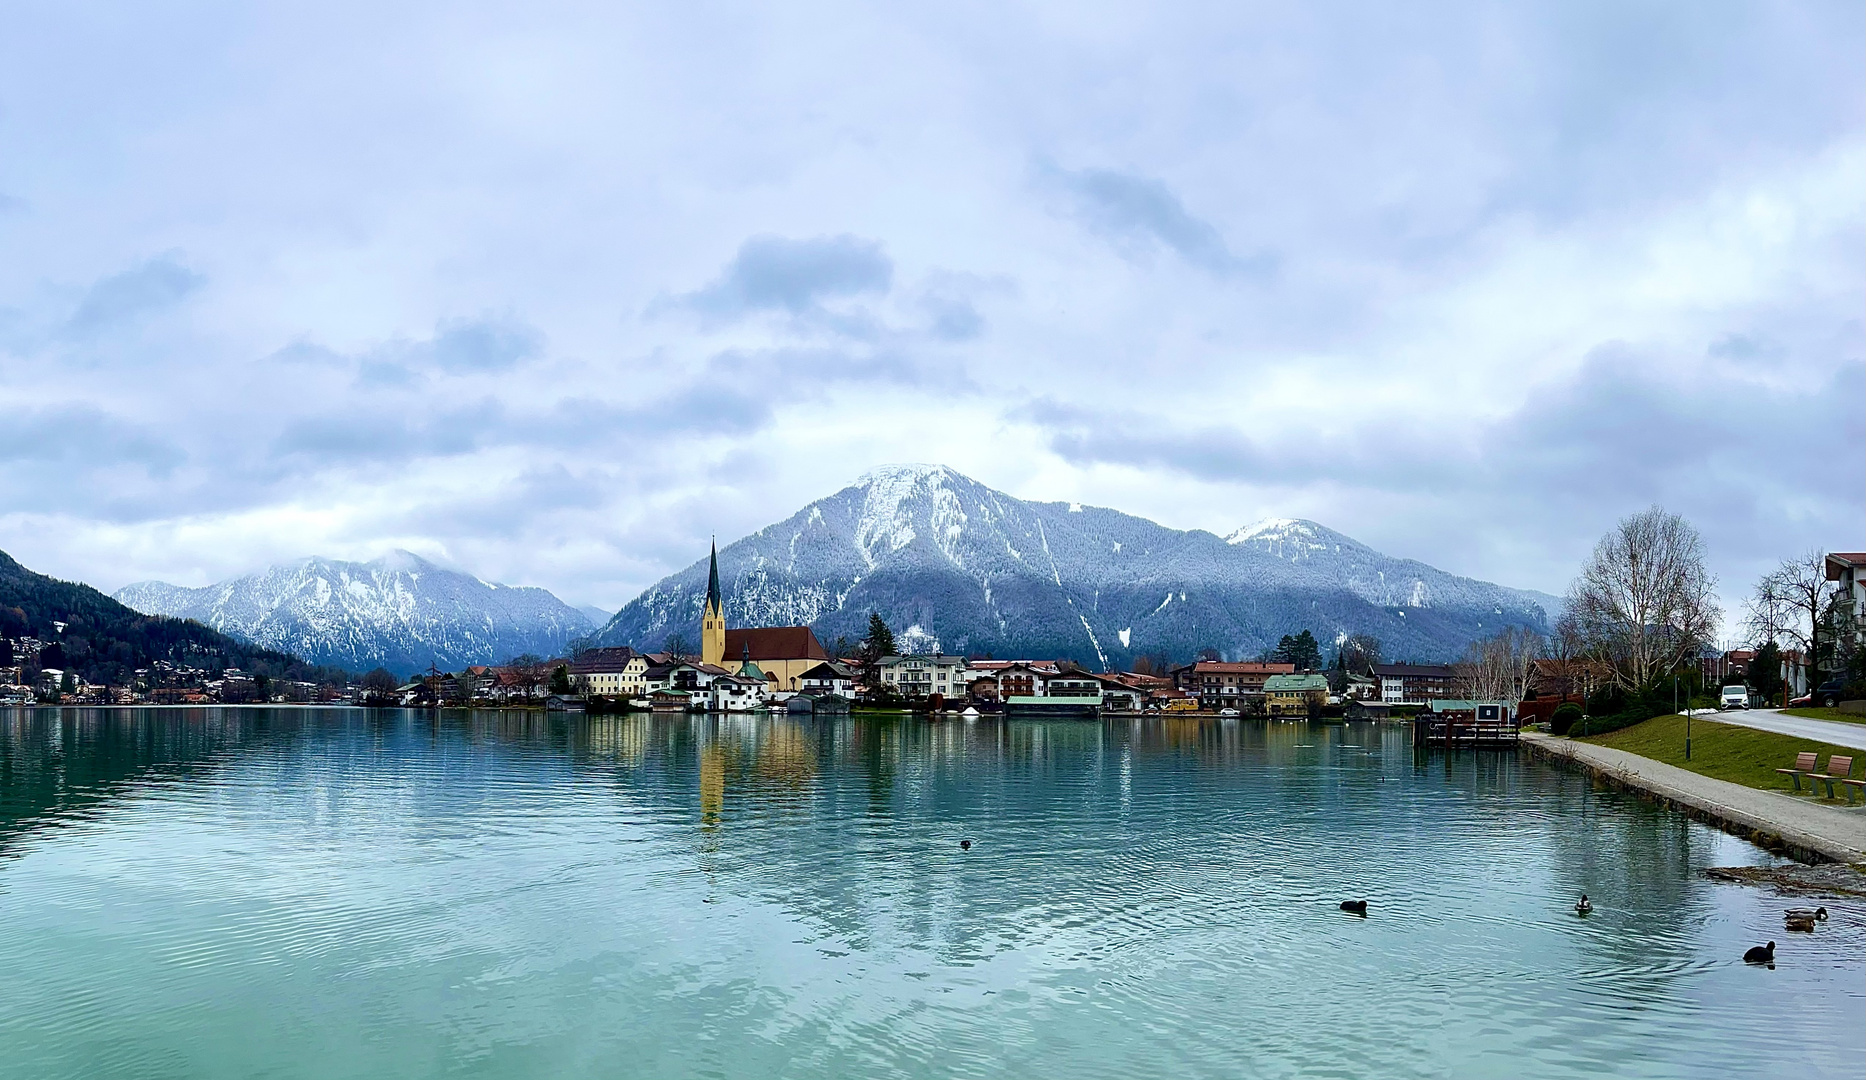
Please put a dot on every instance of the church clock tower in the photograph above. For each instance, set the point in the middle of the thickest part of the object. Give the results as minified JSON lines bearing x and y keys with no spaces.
{"x":713,"y":618}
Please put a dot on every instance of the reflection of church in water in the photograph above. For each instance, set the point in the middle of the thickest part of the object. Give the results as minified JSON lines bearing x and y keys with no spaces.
{"x":782,"y":653}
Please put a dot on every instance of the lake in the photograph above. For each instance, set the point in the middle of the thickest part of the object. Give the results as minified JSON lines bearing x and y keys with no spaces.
{"x":341,"y":893}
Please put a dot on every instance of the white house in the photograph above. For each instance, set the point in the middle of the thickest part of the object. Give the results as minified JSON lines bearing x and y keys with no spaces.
{"x":736,"y":693}
{"x":923,"y":676}
{"x":828,"y":677}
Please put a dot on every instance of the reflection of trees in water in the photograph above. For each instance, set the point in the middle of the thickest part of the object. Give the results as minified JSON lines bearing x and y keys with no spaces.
{"x":62,"y":767}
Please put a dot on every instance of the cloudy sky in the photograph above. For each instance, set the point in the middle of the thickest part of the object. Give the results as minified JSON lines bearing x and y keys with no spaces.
{"x":556,"y":290}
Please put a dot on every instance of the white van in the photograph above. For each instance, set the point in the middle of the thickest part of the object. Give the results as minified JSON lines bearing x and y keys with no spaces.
{"x":1734,"y":697}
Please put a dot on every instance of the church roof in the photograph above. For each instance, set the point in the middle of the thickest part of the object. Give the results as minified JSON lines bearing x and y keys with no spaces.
{"x":775,"y":643}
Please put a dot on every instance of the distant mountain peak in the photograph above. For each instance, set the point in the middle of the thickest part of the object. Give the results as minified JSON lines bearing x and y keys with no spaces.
{"x":946,"y":559}
{"x":401,"y":560}
{"x":905,"y":472}
{"x":401,"y":611}
{"x":1291,"y":538}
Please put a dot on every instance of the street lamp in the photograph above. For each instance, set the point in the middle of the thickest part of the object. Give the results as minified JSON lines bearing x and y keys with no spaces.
{"x":1687,"y":716}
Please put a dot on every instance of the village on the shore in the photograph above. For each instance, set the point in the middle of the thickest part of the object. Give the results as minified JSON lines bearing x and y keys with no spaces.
{"x":738,"y":670}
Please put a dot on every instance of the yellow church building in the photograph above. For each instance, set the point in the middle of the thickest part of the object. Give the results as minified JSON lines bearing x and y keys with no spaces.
{"x":782,"y":653}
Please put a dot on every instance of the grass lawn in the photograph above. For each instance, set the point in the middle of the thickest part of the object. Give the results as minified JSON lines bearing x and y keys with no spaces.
{"x":1827,"y":714}
{"x":1738,"y":754}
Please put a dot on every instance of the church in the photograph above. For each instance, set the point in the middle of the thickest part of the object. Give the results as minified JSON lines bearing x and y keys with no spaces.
{"x":782,"y":653}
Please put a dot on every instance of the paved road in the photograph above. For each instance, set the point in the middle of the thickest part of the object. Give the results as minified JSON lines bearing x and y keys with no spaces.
{"x":1801,"y":727}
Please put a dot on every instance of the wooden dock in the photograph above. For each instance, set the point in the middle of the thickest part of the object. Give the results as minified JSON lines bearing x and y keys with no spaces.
{"x":1458,"y":733}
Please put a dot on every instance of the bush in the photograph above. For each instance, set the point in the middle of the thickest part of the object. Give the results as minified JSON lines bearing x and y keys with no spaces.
{"x":1612,"y":708}
{"x":1566,"y":716}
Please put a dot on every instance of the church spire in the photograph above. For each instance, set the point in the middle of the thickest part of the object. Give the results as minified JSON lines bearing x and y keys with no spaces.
{"x":713,"y":616}
{"x":713,"y":599}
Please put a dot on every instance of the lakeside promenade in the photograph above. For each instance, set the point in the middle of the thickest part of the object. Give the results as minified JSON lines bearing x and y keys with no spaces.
{"x":1803,"y":828}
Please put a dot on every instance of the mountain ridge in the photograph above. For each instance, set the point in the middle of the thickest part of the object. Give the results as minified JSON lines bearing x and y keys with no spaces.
{"x":106,"y":641}
{"x":954,"y":564}
{"x":400,"y":611}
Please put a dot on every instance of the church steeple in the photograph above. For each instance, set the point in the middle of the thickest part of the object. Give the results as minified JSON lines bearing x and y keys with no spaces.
{"x":713,"y":617}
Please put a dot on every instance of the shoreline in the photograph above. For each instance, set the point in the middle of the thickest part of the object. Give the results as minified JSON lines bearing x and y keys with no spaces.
{"x":1805,"y":831}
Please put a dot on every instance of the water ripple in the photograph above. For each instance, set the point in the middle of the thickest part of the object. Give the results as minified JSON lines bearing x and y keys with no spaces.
{"x":323,"y":893}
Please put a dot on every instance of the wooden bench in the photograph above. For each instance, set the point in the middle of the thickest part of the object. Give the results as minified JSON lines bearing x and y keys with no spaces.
{"x":1838,"y":768}
{"x":1849,"y":785}
{"x":1804,"y":766}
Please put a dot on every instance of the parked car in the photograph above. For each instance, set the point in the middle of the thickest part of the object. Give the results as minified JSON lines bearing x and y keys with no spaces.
{"x":1826,"y":695}
{"x":1227,"y":712}
{"x":1733,"y":697}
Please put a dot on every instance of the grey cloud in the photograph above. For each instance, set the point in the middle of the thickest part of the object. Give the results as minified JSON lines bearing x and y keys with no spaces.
{"x":383,"y":373}
{"x":708,"y":406}
{"x":1611,"y":436}
{"x":310,"y":353}
{"x":948,"y":301}
{"x":1093,"y":436}
{"x":776,"y":273}
{"x":1136,"y":211}
{"x":1743,"y":347}
{"x":484,"y":344}
{"x":158,"y":283}
{"x":79,"y":437}
{"x":387,"y":437}
{"x":533,"y":502}
{"x":459,"y":347}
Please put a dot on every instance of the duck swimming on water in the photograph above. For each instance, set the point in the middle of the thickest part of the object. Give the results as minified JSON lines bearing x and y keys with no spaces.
{"x":1803,"y":919}
{"x":1761,"y":954}
{"x":965,"y":845}
{"x":1356,"y":907}
{"x":1583,"y":905}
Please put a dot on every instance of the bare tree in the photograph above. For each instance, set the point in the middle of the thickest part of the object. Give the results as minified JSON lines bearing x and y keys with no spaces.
{"x":1568,"y":666}
{"x":529,"y":673}
{"x":1644,"y":601}
{"x":1790,"y":604}
{"x":1499,"y":668}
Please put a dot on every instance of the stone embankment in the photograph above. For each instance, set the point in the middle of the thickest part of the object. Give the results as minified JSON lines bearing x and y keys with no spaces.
{"x":1797,"y":827}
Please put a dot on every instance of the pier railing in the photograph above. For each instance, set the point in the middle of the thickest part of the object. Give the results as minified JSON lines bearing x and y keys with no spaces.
{"x":1452,"y":732}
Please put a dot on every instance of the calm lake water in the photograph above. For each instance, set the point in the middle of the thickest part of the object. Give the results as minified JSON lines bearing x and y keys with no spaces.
{"x":324,"y":893}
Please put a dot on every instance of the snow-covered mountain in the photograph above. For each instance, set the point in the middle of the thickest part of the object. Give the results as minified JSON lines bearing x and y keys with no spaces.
{"x":953,"y":564}
{"x":400,"y":612}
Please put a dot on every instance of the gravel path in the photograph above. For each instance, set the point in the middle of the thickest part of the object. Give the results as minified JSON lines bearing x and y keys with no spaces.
{"x":1833,"y":832}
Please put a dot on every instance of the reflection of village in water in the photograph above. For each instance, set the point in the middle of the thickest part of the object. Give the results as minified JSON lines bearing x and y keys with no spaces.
{"x":735,"y":764}
{"x":852,"y":825}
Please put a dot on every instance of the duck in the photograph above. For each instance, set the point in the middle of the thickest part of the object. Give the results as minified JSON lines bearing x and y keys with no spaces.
{"x":1803,"y":919}
{"x":1583,"y":905}
{"x":965,"y":845}
{"x":1760,"y":954}
{"x":1357,"y":907}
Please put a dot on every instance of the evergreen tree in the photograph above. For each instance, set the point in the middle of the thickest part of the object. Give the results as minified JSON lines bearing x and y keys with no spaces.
{"x":878,"y":643}
{"x":1306,"y":652}
{"x":880,"y":639}
{"x":1765,"y":672}
{"x":560,"y":679}
{"x":1301,"y":650}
